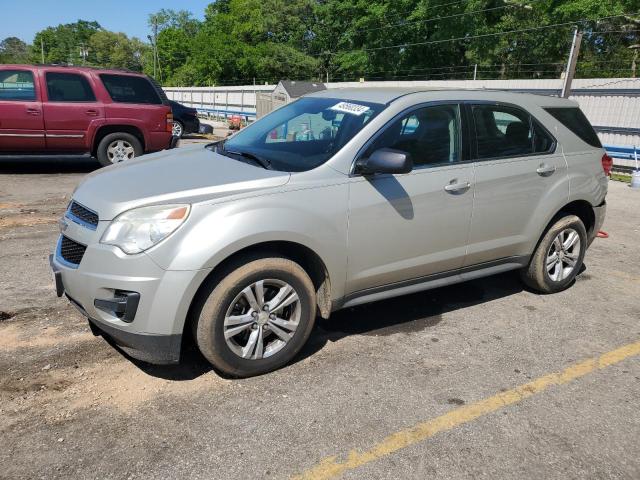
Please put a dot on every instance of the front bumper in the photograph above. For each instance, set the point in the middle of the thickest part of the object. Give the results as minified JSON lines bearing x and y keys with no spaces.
{"x":130,"y":300}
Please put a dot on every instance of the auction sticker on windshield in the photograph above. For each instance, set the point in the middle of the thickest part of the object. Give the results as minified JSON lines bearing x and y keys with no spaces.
{"x":352,"y":108}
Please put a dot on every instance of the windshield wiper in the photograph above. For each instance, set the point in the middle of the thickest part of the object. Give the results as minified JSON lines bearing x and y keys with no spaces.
{"x":263,"y":162}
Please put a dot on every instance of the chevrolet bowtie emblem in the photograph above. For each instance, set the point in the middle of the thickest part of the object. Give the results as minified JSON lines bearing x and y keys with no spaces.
{"x":62,"y":223}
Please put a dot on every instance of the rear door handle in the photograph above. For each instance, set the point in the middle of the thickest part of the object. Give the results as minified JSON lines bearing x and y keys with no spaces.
{"x":92,"y":113}
{"x":33,"y":111}
{"x":545,"y":170}
{"x":455,"y":187}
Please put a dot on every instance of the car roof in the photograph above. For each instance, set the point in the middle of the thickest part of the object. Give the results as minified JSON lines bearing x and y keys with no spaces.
{"x":76,"y":68}
{"x":387,"y":95}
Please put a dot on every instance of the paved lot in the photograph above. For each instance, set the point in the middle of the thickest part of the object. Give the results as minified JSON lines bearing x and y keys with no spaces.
{"x":416,"y":387}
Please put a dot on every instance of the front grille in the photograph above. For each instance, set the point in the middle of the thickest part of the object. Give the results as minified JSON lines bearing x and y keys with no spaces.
{"x":84,"y":214}
{"x":71,"y":251}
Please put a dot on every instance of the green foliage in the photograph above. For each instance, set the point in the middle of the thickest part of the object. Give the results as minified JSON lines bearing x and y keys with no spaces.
{"x":241,"y":41}
{"x":62,"y":44}
{"x":13,"y":50}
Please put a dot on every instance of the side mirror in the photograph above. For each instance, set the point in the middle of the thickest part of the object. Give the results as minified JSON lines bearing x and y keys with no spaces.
{"x":385,"y":160}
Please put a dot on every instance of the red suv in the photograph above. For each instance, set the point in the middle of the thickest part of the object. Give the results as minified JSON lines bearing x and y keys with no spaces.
{"x":111,"y":114}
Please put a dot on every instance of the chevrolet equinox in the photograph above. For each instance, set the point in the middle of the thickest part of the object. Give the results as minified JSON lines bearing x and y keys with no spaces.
{"x":340,"y":198}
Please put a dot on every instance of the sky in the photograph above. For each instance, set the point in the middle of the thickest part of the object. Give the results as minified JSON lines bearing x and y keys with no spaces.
{"x":23,"y":18}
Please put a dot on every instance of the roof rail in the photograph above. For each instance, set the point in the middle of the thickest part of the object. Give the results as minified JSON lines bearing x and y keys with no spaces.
{"x":93,"y":67}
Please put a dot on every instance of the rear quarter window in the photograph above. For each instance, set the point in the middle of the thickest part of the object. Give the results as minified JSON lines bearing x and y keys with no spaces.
{"x":130,"y":89}
{"x":574,"y":120}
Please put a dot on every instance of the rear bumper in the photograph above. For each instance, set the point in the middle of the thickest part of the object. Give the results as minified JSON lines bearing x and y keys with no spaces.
{"x":600,"y":212}
{"x":191,"y":125}
{"x":156,"y":141}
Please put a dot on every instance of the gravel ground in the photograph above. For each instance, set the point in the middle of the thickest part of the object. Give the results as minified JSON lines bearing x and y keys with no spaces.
{"x":72,"y":406}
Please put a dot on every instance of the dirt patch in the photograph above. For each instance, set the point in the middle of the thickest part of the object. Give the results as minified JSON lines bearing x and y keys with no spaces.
{"x":29,"y":220}
{"x":14,"y":337}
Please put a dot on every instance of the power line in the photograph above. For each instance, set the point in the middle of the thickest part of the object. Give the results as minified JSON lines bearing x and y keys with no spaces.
{"x":485,"y":35}
{"x":433,"y":19}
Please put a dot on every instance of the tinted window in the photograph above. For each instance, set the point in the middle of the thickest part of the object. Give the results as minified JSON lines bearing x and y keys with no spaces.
{"x":430,"y":134}
{"x":16,"y":85}
{"x":68,"y":87}
{"x":502,"y":131}
{"x":303,"y":134}
{"x":542,"y":141}
{"x":130,"y":89}
{"x":574,"y":120}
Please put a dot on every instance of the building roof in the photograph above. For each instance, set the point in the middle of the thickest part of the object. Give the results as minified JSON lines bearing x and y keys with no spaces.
{"x":296,"y":89}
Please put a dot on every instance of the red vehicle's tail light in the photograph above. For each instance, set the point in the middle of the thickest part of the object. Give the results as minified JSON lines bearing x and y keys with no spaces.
{"x":169,"y":122}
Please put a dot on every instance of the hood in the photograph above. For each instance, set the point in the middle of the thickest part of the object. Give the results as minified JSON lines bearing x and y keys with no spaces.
{"x":185,"y":175}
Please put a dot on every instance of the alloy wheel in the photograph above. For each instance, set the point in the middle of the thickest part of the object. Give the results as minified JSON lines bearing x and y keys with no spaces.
{"x":262,"y":319}
{"x":563,"y":254}
{"x":177,"y":129}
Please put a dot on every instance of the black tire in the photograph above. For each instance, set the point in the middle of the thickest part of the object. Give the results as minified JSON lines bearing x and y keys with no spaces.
{"x":102,"y":151}
{"x":209,"y":330}
{"x":537,"y":275}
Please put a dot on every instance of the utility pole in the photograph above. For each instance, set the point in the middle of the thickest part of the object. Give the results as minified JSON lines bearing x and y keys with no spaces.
{"x":42,"y":49}
{"x":571,"y":63}
{"x":84,"y":52}
{"x":475,"y":71}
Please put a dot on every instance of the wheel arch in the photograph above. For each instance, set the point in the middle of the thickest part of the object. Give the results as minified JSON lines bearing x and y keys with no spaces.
{"x":109,"y":129}
{"x":581,"y":208}
{"x":308,"y":259}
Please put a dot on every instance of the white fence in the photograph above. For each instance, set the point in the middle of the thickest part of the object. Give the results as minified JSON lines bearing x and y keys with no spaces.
{"x":612,"y":105}
{"x":220,"y":101}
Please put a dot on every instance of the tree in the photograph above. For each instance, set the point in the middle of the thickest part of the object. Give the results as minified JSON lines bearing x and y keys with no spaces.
{"x":64,"y":43}
{"x":13,"y":50}
{"x":116,"y":50}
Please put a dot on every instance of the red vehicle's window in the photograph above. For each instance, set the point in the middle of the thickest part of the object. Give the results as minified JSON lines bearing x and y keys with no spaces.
{"x":17,"y":85}
{"x":68,"y":87}
{"x":130,"y":89}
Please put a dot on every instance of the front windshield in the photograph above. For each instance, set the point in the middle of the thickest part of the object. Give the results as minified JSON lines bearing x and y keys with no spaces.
{"x":303,"y":134}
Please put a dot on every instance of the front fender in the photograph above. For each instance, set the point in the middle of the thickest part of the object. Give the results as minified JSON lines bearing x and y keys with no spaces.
{"x":313,"y":217}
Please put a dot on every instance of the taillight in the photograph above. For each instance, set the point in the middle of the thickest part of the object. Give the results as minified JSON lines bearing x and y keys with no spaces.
{"x":607,"y":164}
{"x":169,"y":122}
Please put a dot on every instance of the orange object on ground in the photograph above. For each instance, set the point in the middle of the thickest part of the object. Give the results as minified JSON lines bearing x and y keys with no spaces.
{"x":602,"y":234}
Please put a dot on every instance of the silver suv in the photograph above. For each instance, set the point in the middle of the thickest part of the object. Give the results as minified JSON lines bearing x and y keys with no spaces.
{"x":340,"y":198}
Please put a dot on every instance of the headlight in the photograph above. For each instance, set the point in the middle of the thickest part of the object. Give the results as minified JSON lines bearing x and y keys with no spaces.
{"x":141,"y":228}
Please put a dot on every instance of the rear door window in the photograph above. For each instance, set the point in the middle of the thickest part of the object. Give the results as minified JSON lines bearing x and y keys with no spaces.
{"x":574,"y":120}
{"x":130,"y":89}
{"x":502,"y":131}
{"x":68,"y":87}
{"x":17,"y":85}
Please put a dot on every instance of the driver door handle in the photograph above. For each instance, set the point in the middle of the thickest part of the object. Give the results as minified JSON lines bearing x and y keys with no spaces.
{"x":455,"y":187}
{"x":545,"y":170}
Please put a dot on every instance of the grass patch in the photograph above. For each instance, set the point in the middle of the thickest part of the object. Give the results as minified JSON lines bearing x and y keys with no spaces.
{"x":620,"y":177}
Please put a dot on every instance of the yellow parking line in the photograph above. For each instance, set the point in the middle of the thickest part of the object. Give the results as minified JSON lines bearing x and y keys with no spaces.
{"x":332,"y":467}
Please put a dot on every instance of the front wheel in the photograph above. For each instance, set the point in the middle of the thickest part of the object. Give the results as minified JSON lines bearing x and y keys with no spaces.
{"x":257,"y":318}
{"x":558,"y":257}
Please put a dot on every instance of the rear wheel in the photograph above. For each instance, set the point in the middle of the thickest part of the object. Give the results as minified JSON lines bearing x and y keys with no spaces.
{"x":118,"y":147}
{"x":558,"y":258}
{"x":257,"y":318}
